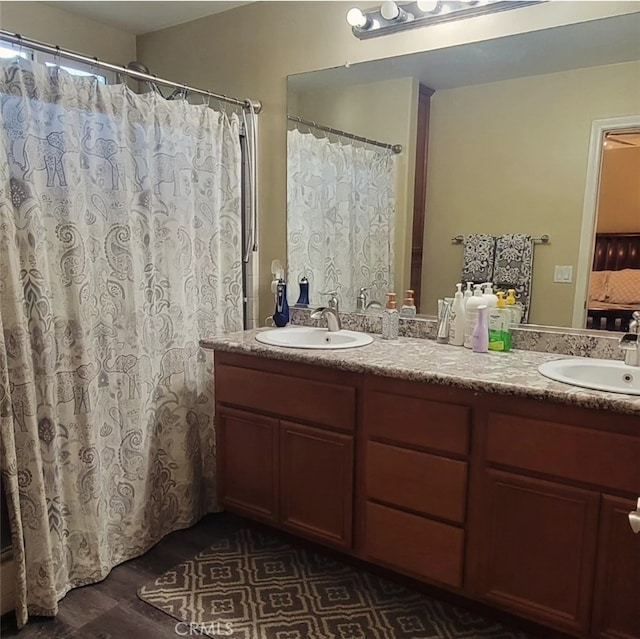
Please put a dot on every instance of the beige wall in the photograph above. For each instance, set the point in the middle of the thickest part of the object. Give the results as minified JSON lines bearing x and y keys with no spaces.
{"x":55,"y":26}
{"x":384,"y":111}
{"x":511,"y":157}
{"x":619,"y":194}
{"x":249,"y":51}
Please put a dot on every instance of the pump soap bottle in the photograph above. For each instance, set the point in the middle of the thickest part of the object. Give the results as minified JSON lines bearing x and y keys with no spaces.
{"x":409,"y":307}
{"x":500,"y":326}
{"x":390,"y":320}
{"x":471,"y":314}
{"x":480,"y":336}
{"x":303,"y":298}
{"x":457,"y":319}
{"x":514,"y":307}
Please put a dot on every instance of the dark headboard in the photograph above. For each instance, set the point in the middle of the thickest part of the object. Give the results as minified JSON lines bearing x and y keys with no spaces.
{"x":616,"y":251}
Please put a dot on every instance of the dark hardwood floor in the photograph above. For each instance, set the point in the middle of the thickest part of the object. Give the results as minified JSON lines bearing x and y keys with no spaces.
{"x":111,"y":609}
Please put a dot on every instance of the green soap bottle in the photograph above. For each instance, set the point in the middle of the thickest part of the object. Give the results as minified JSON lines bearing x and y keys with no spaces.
{"x":500,"y":326}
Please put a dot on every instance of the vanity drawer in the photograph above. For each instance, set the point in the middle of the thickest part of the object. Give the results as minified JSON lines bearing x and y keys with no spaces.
{"x":415,"y":421}
{"x":414,"y":544}
{"x":418,"y":481}
{"x":291,"y":397}
{"x":597,"y":457}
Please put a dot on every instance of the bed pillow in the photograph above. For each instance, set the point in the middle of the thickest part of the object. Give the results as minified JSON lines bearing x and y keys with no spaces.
{"x":624,"y":286}
{"x":598,"y":286}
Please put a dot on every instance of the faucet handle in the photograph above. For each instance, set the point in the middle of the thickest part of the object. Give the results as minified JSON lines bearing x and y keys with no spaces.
{"x":634,"y":325}
{"x":333,"y":299}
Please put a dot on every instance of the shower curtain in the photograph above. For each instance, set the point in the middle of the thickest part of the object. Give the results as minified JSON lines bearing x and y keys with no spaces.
{"x":120,"y":247}
{"x":340,"y":217}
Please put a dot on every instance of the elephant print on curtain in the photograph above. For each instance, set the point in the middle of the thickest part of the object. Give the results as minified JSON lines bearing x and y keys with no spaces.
{"x":120,"y":248}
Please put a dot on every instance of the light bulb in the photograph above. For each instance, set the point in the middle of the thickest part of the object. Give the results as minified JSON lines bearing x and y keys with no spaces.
{"x":392,"y":12}
{"x":427,"y":6}
{"x":356,"y":18}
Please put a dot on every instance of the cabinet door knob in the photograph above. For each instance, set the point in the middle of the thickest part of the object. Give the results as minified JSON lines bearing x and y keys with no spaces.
{"x":634,"y":519}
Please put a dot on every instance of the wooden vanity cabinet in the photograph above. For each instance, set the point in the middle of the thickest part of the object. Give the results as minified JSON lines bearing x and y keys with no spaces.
{"x":285,"y":445}
{"x":415,"y":450}
{"x":517,"y":503}
{"x":550,"y":541}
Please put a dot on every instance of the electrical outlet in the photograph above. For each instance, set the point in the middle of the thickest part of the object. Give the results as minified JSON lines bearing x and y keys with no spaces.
{"x":563,"y":274}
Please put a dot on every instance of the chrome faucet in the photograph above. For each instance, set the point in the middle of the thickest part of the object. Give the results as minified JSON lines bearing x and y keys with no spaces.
{"x":330,"y":312}
{"x":362,"y":305}
{"x":630,"y":342}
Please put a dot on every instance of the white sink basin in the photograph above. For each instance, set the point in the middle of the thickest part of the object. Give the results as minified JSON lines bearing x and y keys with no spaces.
{"x":598,"y":374}
{"x":309,"y":337}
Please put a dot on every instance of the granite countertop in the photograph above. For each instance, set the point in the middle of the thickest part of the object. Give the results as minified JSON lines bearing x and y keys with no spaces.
{"x":514,"y":373}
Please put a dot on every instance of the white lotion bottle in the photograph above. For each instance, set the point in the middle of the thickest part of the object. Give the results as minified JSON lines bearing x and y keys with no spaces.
{"x":490,"y":298}
{"x":467,"y":294}
{"x":457,"y":319}
{"x":471,"y":314}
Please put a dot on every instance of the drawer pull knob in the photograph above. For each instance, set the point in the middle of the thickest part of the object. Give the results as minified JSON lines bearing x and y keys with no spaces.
{"x":634,"y":519}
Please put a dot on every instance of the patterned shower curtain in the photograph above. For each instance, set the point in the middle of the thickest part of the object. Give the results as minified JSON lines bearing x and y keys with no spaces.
{"x":120,"y":241}
{"x":340,"y":217}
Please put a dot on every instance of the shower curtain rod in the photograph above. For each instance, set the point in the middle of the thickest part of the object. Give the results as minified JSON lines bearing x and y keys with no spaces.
{"x":15,"y":38}
{"x":395,"y":148}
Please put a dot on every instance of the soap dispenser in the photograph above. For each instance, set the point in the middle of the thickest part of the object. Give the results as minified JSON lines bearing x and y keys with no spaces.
{"x":457,"y":319}
{"x":281,"y":314}
{"x":500,"y":326}
{"x":408,"y":309}
{"x":303,"y":298}
{"x":471,"y":314}
{"x":390,"y":322}
{"x":480,"y":338}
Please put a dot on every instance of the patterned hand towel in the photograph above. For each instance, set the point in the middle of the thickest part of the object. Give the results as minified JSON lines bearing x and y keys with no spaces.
{"x":513,"y":267}
{"x":479,"y":253}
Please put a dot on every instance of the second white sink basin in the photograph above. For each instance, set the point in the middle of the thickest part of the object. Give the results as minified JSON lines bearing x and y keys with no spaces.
{"x":316,"y":338}
{"x":598,"y":374}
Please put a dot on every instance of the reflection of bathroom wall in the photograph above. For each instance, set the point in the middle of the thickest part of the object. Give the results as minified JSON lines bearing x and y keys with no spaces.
{"x":512,"y":157}
{"x":619,"y":195}
{"x":384,"y":111}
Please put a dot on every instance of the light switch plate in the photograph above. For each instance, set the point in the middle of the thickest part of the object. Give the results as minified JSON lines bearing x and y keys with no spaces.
{"x":563,"y":274}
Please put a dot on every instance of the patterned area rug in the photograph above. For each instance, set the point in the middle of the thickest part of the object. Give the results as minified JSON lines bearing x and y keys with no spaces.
{"x":252,"y":585}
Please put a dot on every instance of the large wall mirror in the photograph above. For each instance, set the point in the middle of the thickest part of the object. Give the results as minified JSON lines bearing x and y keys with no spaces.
{"x":510,"y":154}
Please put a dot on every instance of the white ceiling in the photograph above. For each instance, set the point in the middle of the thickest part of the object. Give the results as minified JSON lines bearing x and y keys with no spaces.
{"x":146,"y":16}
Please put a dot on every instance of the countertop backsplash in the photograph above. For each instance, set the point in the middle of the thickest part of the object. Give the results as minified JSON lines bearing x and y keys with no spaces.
{"x":560,"y":341}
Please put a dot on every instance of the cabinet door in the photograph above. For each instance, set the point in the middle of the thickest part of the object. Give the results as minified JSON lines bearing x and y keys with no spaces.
{"x":316,"y":483}
{"x":247,"y":456}
{"x":616,"y":603}
{"x":538,"y":545}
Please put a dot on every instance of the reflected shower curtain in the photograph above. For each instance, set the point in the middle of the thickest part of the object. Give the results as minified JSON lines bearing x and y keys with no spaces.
{"x":340,"y":217}
{"x":120,"y":240}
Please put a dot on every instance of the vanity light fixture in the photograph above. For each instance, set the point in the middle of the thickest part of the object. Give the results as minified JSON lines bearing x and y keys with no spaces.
{"x":392,"y":17}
